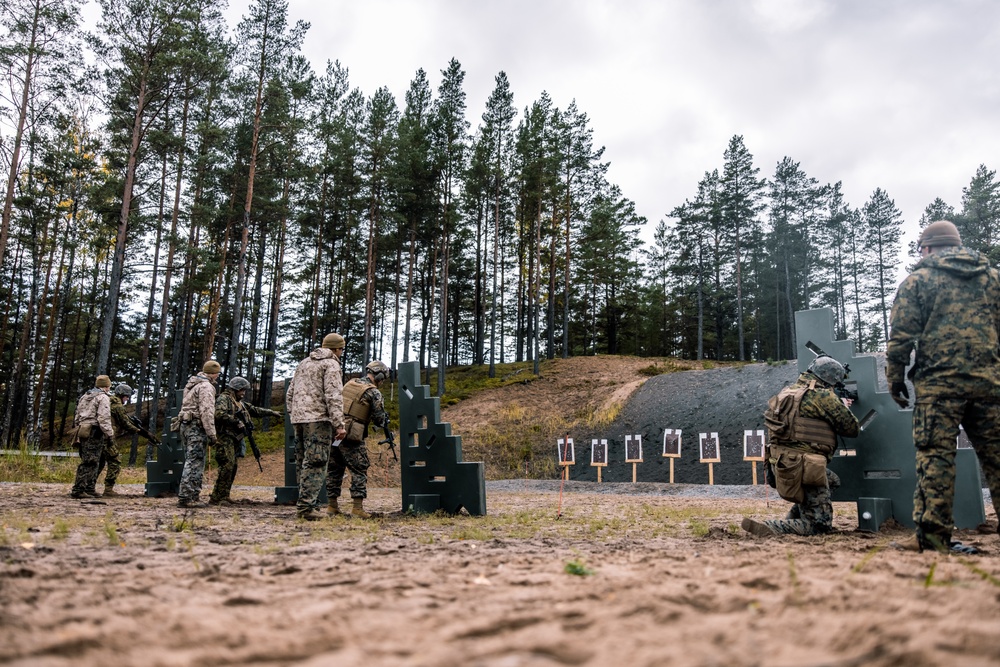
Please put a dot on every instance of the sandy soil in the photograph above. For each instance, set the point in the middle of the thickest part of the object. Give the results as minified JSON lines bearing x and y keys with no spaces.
{"x":672,"y":581}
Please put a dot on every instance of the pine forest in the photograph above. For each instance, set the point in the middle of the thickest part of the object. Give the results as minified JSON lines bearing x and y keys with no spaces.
{"x":177,"y":189}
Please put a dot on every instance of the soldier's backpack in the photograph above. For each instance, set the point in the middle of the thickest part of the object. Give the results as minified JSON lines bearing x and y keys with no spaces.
{"x":782,"y":411}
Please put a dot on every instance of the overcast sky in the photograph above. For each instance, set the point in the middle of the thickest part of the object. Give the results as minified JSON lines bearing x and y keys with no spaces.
{"x":901,"y":95}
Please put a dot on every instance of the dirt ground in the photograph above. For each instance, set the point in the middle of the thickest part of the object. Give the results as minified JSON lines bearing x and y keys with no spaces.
{"x":627,"y":575}
{"x":594,"y":574}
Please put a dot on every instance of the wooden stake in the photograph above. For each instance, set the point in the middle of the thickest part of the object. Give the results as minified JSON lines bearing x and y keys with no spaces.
{"x":633,"y":473}
{"x":671,"y":471}
{"x":711,"y":474}
{"x":754,"y":465}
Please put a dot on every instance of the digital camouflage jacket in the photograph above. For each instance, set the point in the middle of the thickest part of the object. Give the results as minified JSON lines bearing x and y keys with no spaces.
{"x":948,"y":310}
{"x":317,"y":391}
{"x":198,"y":403}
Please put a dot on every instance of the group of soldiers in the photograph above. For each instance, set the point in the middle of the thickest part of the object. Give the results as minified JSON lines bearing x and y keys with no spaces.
{"x":330,"y":421}
{"x":946,"y":329}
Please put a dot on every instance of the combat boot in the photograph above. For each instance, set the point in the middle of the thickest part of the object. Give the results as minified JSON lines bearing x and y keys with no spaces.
{"x":333,"y":509}
{"x":109,"y":491}
{"x":358,"y":510}
{"x":758,"y":528}
{"x":310,"y":515}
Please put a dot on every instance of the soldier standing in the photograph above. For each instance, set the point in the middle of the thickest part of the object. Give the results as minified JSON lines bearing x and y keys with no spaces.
{"x":197,"y":418}
{"x":316,"y":409}
{"x":232,"y":417}
{"x":948,"y":311}
{"x":93,"y":421}
{"x":801,"y":448}
{"x":363,"y":405}
{"x":122,"y":424}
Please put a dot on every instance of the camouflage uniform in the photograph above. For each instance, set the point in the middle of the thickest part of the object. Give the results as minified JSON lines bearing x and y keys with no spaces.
{"x":93,"y":413}
{"x":316,"y":410}
{"x":352,"y":454}
{"x":111,"y":457}
{"x":948,"y":310}
{"x":814,"y":515}
{"x":230,"y":414}
{"x":197,"y":417}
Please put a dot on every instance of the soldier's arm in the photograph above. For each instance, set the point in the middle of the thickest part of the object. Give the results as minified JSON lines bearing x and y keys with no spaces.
{"x":333,"y":390}
{"x":906,"y":327}
{"x":841,"y":419}
{"x":379,"y":416}
{"x":260,"y":412}
{"x":104,"y":417}
{"x":121,"y":418}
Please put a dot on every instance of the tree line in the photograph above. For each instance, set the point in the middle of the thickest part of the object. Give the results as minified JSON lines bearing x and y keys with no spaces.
{"x":178,"y":191}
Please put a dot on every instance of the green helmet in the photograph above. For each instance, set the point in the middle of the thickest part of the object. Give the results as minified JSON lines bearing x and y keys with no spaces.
{"x":378,"y":370}
{"x":123,"y":390}
{"x":238,"y":384}
{"x":828,"y":369}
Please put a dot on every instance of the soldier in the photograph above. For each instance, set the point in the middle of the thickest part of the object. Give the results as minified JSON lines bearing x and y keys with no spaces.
{"x":94,"y":426}
{"x":232,"y":416}
{"x":122,"y":424}
{"x":316,"y":409}
{"x":197,"y":417}
{"x":362,"y":406}
{"x":805,"y":419}
{"x":948,"y":311}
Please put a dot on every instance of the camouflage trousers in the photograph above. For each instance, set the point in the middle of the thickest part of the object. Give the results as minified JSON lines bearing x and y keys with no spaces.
{"x":935,"y":430}
{"x":225,"y":456}
{"x":110,"y":457}
{"x":90,"y":458}
{"x":312,"y":452}
{"x":814,"y":515}
{"x":194,"y":439}
{"x":351,"y":455}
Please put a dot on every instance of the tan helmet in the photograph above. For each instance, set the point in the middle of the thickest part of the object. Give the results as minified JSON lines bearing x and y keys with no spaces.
{"x":333,"y":341}
{"x":103,"y":381}
{"x":938,"y":234}
{"x":378,"y":370}
{"x":211,"y":366}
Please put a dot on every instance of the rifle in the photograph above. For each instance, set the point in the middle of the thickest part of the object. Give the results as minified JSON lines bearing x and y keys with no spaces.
{"x":248,"y":433}
{"x":391,"y":440}
{"x":143,"y":431}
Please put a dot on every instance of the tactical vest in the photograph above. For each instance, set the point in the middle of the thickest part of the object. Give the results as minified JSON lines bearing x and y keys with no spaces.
{"x":786,"y":425}
{"x":356,"y":413}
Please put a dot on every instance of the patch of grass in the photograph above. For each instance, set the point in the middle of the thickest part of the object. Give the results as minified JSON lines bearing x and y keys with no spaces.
{"x":111,"y":530}
{"x":698,"y":527}
{"x":577,"y":567}
{"x":60,"y":529}
{"x":471,"y":532}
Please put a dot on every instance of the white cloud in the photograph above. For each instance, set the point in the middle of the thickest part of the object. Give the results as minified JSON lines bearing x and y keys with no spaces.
{"x":893,"y":94}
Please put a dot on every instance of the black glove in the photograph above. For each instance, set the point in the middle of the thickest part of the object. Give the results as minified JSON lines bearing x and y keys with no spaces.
{"x":900,"y":394}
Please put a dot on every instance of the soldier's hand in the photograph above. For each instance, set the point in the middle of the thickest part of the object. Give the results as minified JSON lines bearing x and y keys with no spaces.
{"x":274,"y":413}
{"x":900,"y":394}
{"x":212,"y":440}
{"x":341,"y":434}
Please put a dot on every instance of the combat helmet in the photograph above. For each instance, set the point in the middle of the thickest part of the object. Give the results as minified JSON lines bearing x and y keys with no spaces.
{"x":238,"y":384}
{"x":378,"y":370}
{"x":828,"y":369}
{"x":939,"y":234}
{"x":124,"y":390}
